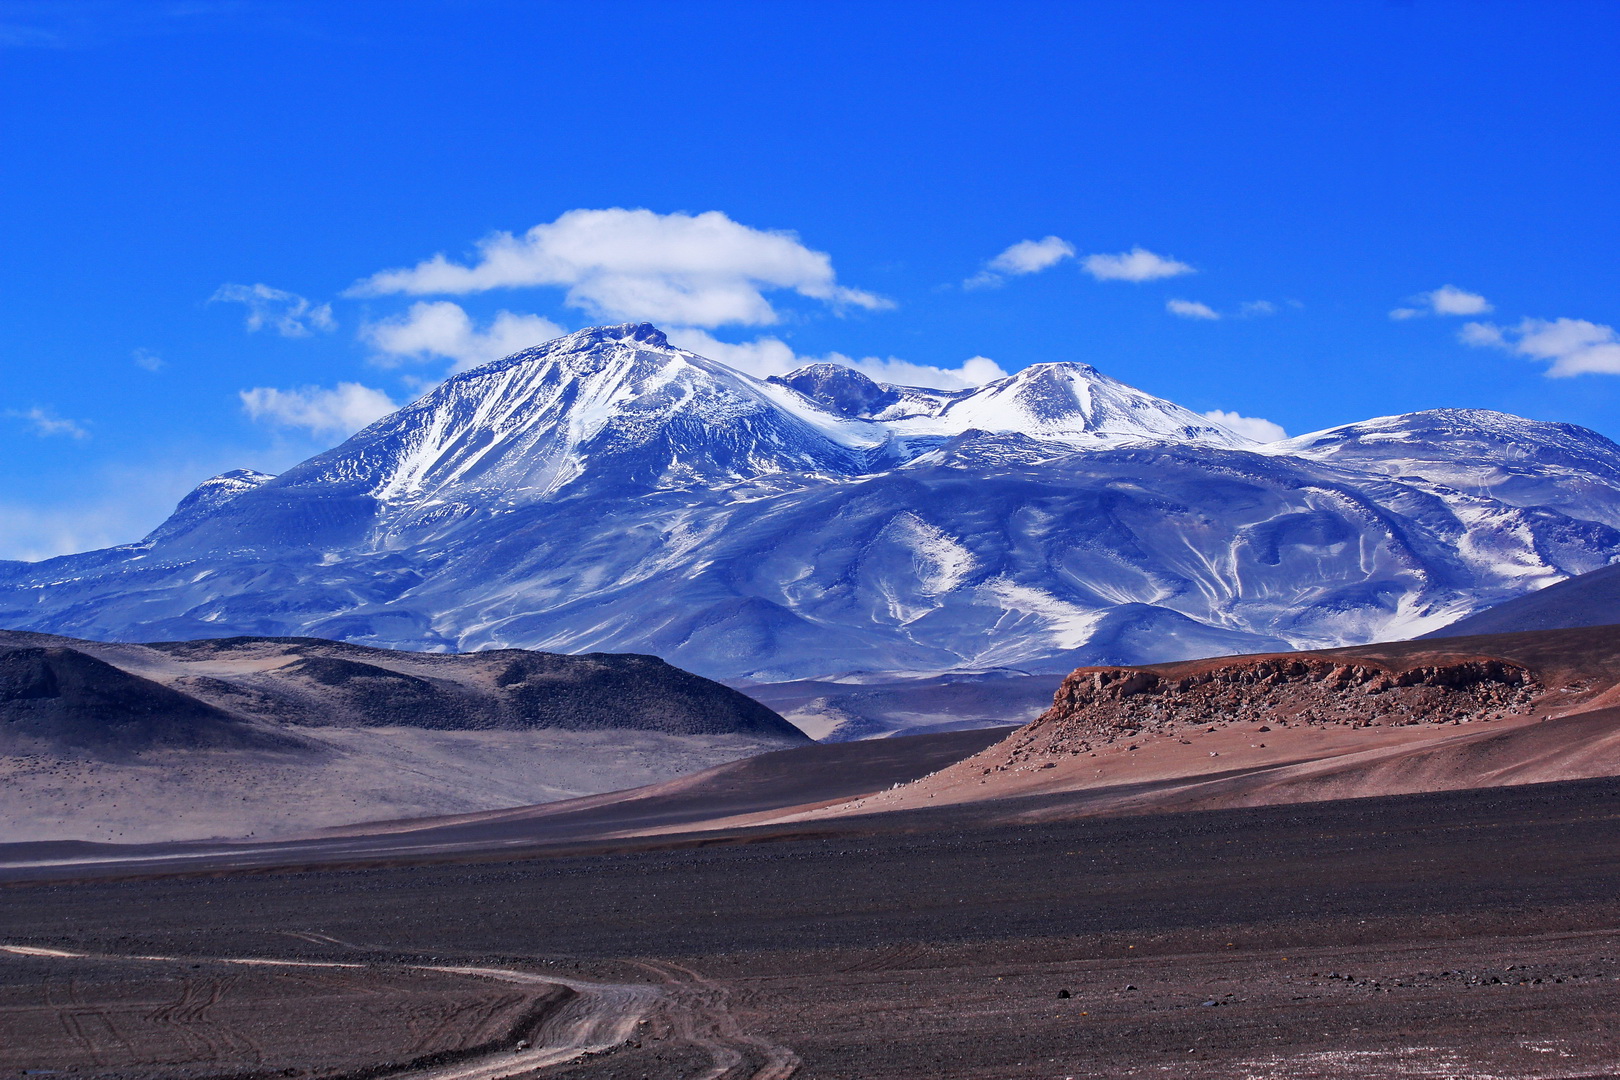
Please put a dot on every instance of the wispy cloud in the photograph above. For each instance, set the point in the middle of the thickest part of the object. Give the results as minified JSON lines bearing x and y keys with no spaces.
{"x":1568,"y":346}
{"x":440,"y":328}
{"x":147,"y":360}
{"x":1024,"y":257}
{"x":1191,"y":309}
{"x":1446,"y":300}
{"x":46,"y":424}
{"x":1250,"y":427}
{"x":1137,"y":264}
{"x":772,"y":356}
{"x":340,"y":410}
{"x":684,"y":269}
{"x":288,"y":314}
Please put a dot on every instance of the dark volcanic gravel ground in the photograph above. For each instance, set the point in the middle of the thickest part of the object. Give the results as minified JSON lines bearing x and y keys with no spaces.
{"x":1465,"y":934}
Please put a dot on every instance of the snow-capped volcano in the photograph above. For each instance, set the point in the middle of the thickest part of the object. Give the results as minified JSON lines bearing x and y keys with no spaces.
{"x":620,"y":404}
{"x":606,"y":491}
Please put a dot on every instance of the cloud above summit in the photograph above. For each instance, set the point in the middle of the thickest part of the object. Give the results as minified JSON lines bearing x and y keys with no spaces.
{"x":1032,"y":256}
{"x":1569,"y":346}
{"x":617,"y":264}
{"x":1446,"y":300}
{"x":440,"y":328}
{"x":287,"y":313}
{"x":1024,"y":257}
{"x":1138,"y":264}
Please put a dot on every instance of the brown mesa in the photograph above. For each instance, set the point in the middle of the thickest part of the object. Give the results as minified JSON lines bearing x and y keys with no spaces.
{"x":1104,"y":704}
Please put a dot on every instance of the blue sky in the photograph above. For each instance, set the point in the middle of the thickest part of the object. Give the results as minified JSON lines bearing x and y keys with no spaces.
{"x":218,"y":218}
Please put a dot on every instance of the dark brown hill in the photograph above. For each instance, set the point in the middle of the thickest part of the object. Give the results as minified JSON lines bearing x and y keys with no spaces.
{"x":211,"y":685}
{"x":54,"y":698}
{"x":277,"y":736}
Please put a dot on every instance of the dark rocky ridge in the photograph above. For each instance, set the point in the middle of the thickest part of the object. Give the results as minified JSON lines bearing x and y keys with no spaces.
{"x":106,"y":699}
{"x":839,"y":389}
{"x":65,"y":699}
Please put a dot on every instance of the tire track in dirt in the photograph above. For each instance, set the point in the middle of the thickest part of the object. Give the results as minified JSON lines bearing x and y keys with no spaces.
{"x":598,"y":1017}
{"x":698,"y":1011}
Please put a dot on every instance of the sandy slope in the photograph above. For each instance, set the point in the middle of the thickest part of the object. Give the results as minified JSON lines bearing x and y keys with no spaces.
{"x":1567,"y":728}
{"x":363,"y":774}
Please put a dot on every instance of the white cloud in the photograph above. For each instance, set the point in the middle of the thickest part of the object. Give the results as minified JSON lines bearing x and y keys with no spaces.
{"x":46,"y":423}
{"x":341,"y":410}
{"x":1571,"y":346}
{"x":441,"y":328}
{"x":1191,"y":309}
{"x":147,"y":360}
{"x":975,"y":371}
{"x":1446,"y":300}
{"x":1032,"y":256}
{"x":1483,"y":333}
{"x":289,"y":314}
{"x":1250,"y":427}
{"x":772,"y":356}
{"x":1450,"y":300}
{"x":1138,"y":264}
{"x":1024,"y":257}
{"x":684,"y":269}
{"x":1251,"y":309}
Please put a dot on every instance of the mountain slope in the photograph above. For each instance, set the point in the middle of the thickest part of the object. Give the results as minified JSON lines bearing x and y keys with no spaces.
{"x":1592,"y":599}
{"x":606,"y":492}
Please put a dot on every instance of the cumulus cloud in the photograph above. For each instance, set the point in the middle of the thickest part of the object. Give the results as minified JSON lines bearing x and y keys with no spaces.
{"x":1250,"y":427}
{"x":147,"y":360}
{"x":1137,"y":264}
{"x":45,"y":423}
{"x":440,"y":328}
{"x":685,"y":269}
{"x":1191,"y":309}
{"x":772,"y":356}
{"x":1569,"y":346}
{"x":1024,"y":257}
{"x":339,"y":410}
{"x":1446,"y":300}
{"x":288,"y":314}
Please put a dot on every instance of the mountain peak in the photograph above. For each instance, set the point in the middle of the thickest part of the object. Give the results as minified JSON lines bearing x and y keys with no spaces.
{"x":208,"y":497}
{"x":839,"y":389}
{"x":1067,"y":400}
{"x":642,"y":333}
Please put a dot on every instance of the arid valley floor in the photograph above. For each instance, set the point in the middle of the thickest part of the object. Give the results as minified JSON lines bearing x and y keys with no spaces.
{"x":1387,"y":861}
{"x":1460,"y":934}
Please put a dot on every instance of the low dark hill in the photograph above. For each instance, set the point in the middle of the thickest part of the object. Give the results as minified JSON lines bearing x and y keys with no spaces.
{"x":1591,"y":599}
{"x":242,"y":691}
{"x":54,"y":698}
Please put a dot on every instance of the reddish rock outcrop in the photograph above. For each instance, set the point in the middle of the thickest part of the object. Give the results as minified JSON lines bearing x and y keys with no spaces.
{"x":1101,"y":705}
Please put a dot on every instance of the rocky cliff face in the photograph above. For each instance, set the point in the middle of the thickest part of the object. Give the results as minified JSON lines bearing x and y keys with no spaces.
{"x":1104,"y":705}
